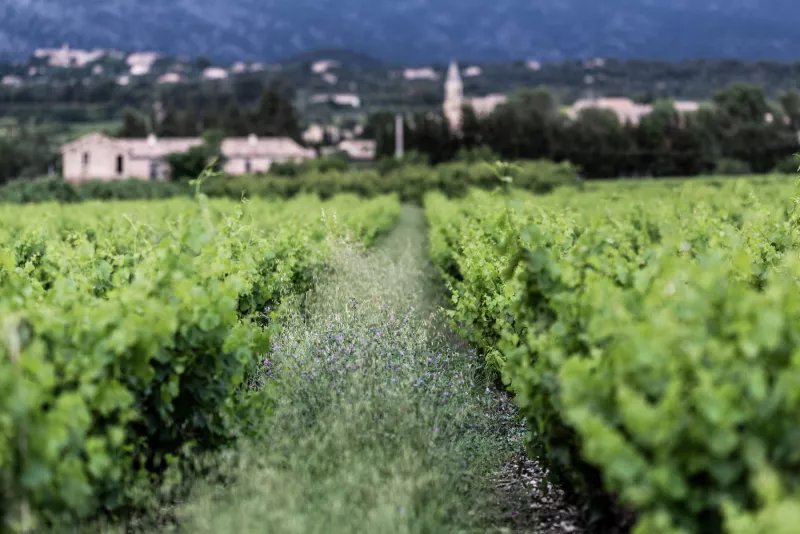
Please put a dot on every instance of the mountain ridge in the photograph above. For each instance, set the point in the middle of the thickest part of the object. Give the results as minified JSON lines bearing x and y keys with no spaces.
{"x":412,"y":32}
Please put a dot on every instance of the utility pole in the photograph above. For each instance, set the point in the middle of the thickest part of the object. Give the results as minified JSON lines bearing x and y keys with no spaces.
{"x":398,"y":136}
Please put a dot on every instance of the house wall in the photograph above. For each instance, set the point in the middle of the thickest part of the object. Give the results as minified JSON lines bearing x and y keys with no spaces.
{"x":102,"y":164}
{"x":238,"y":165}
{"x":103,"y":152}
{"x":140,"y":168}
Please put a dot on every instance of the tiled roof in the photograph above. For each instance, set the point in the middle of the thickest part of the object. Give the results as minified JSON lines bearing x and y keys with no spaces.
{"x":152,"y":147}
{"x":265,"y":147}
{"x":157,"y":148}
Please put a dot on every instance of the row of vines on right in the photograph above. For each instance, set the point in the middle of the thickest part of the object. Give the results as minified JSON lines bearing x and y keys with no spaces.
{"x":650,"y":335}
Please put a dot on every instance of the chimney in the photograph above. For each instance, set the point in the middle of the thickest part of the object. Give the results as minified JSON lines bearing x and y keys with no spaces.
{"x":398,"y":136}
{"x":151,"y":140}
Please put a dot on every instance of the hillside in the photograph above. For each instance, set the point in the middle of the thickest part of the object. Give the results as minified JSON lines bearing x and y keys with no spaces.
{"x":97,"y":86}
{"x":417,"y":31}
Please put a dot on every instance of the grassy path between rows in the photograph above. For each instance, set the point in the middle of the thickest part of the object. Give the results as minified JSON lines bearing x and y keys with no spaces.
{"x":381,"y":423}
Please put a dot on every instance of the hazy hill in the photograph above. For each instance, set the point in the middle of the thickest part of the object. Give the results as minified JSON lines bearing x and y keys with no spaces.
{"x":411,"y":31}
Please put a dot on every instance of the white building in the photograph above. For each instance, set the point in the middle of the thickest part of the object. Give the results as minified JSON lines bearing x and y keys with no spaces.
{"x":323,"y":66}
{"x":215,"y":73}
{"x":99,"y":157}
{"x":67,"y":57}
{"x":342,"y":99}
{"x":471,"y":72}
{"x":425,"y":73}
{"x":170,"y":77}
{"x":141,"y":62}
{"x":11,"y":80}
{"x":142,"y":58}
{"x":359,"y":149}
{"x":534,"y":65}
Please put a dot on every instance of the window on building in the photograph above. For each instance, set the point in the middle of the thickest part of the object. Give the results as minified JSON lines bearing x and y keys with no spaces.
{"x":85,"y":159}
{"x":153,"y":170}
{"x":247,"y":166}
{"x":120,"y":167}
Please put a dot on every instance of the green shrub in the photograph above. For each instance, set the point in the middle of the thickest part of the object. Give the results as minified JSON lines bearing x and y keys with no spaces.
{"x":650,"y":338}
{"x":337,"y":162}
{"x":131,"y":189}
{"x":127,"y":337}
{"x":732,"y":167}
{"x":38,"y":190}
{"x":790,"y":165}
{"x":409,"y":182}
{"x":58,"y":190}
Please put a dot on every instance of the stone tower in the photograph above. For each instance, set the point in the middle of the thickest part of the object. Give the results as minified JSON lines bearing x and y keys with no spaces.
{"x":453,"y":97}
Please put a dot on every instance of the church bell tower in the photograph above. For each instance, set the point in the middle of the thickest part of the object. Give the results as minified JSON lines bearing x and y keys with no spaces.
{"x":454,"y":97}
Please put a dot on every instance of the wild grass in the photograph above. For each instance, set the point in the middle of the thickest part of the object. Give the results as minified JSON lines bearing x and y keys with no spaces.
{"x":380,"y":422}
{"x":375,"y":418}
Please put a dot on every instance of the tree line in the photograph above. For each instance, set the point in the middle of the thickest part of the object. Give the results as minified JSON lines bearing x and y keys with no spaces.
{"x":739,"y":132}
{"x":273,"y":115}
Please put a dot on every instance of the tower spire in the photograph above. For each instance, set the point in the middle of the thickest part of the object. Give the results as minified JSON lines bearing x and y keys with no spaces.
{"x":453,"y":97}
{"x":453,"y":74}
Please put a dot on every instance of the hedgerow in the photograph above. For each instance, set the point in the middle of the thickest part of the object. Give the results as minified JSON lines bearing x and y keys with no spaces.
{"x":650,"y":335}
{"x":409,"y":182}
{"x":128,"y":332}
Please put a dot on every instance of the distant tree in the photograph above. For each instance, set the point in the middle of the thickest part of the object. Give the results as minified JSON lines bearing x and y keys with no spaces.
{"x":234,"y":122}
{"x":600,"y":145}
{"x":247,"y":89}
{"x":694,"y":148}
{"x":429,"y":133}
{"x":190,"y":164}
{"x":212,"y":142}
{"x":655,"y":140}
{"x":380,"y":126}
{"x":133,"y":124}
{"x":741,"y":103}
{"x":471,"y":128}
{"x":750,"y":130}
{"x":524,"y":126}
{"x":790,"y":103}
{"x":202,"y":63}
{"x":327,"y":139}
{"x":275,"y":114}
{"x":172,"y":124}
{"x":27,"y":153}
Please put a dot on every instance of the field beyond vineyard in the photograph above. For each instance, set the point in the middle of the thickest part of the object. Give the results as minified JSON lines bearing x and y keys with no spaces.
{"x":607,"y":358}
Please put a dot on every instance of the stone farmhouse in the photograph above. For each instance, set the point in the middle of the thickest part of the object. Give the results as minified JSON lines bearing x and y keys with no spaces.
{"x":99,"y":157}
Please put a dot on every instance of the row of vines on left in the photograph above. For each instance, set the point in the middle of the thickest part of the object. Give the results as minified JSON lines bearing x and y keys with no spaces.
{"x":129,"y":331}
